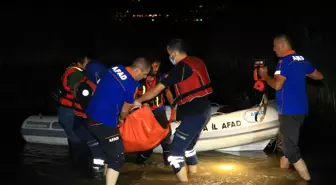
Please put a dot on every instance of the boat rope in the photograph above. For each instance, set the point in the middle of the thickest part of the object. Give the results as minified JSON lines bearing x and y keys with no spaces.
{"x":262,"y":108}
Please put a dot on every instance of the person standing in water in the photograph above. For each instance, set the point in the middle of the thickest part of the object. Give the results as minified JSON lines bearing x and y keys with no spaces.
{"x":192,"y":85}
{"x":289,"y":81}
{"x":157,"y":105}
{"x":110,"y":104}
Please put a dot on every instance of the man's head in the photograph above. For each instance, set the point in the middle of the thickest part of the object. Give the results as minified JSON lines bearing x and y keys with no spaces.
{"x":281,"y":45}
{"x":141,"y":68}
{"x":177,"y":50}
{"x":83,"y":61}
{"x":155,"y":67}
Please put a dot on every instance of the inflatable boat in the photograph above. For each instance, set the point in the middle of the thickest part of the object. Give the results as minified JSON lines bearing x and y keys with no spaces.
{"x":226,"y":131}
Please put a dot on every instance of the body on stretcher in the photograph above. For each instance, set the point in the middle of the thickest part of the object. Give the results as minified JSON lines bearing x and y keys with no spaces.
{"x":141,"y":131}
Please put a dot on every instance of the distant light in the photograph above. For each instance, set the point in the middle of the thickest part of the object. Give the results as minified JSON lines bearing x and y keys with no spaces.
{"x":225,"y":167}
{"x":127,"y":11}
{"x":201,"y":6}
{"x":167,"y":15}
{"x":200,"y":19}
{"x":153,"y":20}
{"x":196,"y":19}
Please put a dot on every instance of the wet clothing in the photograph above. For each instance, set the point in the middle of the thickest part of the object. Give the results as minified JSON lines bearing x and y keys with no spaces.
{"x":117,"y":87}
{"x":292,"y":101}
{"x":194,"y":115}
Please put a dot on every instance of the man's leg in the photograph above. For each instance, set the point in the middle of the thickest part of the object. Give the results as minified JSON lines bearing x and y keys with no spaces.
{"x":111,"y":143}
{"x":290,"y":129}
{"x":143,"y":157}
{"x":88,"y":141}
{"x":66,"y":120}
{"x":189,"y":128}
{"x":190,"y":153}
{"x":161,"y":117}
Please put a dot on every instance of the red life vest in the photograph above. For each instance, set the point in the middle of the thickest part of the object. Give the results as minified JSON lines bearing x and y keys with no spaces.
{"x":144,"y":87}
{"x":197,"y":85}
{"x":67,"y":98}
{"x":84,"y":90}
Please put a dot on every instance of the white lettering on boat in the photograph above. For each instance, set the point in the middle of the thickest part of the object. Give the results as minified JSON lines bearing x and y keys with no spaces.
{"x":225,"y":125}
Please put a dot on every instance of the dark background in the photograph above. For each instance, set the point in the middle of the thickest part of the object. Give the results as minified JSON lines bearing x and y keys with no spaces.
{"x":40,"y":39}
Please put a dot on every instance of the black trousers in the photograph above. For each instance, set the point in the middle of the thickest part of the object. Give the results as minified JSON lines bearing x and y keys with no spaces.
{"x":290,"y":131}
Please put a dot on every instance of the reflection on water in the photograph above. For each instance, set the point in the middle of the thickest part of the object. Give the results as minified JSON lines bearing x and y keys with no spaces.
{"x":51,"y":165}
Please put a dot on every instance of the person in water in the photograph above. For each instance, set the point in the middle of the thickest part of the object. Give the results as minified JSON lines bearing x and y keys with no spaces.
{"x":65,"y":95}
{"x":110,"y":104}
{"x":289,"y":81}
{"x":192,"y":87}
{"x":83,"y":93}
{"x":157,"y":105}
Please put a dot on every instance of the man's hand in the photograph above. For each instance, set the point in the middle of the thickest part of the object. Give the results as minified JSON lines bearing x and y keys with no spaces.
{"x":136,"y":104}
{"x":121,"y":121}
{"x":263,"y":72}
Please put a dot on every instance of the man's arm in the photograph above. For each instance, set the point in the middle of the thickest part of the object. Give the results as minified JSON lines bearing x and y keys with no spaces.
{"x":173,"y":77}
{"x":151,"y":93}
{"x":316,"y":75}
{"x":125,"y":110}
{"x":276,"y":82}
{"x":169,"y":96}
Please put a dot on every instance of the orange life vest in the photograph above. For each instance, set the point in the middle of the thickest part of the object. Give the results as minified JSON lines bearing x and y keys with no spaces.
{"x":67,"y":98}
{"x":144,"y":87}
{"x":84,"y":90}
{"x":197,"y":85}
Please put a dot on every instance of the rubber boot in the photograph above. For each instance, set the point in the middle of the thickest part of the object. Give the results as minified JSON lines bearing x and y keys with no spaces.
{"x":302,"y":169}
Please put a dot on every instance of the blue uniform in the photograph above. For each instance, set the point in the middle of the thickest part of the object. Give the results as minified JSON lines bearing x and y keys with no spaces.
{"x":95,"y":70}
{"x":116,"y":87}
{"x":292,"y":98}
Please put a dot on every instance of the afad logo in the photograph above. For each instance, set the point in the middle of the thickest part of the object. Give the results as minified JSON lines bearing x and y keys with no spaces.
{"x":249,"y":115}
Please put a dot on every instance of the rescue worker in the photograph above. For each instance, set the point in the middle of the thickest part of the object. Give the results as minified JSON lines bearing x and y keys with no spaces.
{"x":70,"y":78}
{"x":157,"y":105}
{"x":192,"y":87}
{"x":110,"y":104}
{"x":289,"y":81}
{"x":83,"y":93}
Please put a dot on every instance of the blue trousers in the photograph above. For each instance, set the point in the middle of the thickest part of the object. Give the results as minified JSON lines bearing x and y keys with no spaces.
{"x":185,"y":138}
{"x":66,"y":120}
{"x":88,"y":141}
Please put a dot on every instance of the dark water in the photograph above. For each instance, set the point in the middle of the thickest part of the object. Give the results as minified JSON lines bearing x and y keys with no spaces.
{"x":41,"y":164}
